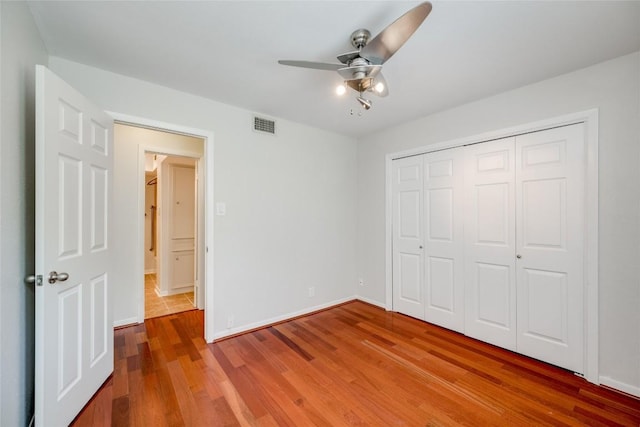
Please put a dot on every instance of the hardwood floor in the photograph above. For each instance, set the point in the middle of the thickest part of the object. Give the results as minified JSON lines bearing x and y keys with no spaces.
{"x":350,"y":365}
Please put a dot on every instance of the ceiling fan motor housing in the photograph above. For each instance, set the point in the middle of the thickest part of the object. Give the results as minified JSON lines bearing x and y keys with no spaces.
{"x":359,"y":38}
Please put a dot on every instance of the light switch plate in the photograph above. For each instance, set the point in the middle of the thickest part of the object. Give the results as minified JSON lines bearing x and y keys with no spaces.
{"x":221,"y":209}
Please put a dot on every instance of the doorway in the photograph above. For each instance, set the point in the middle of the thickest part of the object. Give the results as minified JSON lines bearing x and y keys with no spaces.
{"x":170,"y":249}
{"x":133,"y":137}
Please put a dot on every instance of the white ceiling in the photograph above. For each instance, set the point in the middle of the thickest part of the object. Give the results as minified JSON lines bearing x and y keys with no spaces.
{"x":228,"y":50}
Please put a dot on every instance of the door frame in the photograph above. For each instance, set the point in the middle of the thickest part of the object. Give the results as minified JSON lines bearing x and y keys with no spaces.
{"x":591,"y":296}
{"x":206,"y":221}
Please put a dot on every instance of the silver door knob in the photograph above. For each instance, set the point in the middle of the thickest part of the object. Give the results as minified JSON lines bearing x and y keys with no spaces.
{"x":518,"y":256}
{"x":57,"y":277}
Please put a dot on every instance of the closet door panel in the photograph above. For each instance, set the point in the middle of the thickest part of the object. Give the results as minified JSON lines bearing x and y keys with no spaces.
{"x":409,"y":279}
{"x":550,"y":229}
{"x":493,"y":290}
{"x":489,"y":227}
{"x":444,"y":240}
{"x":441,"y":284}
{"x":408,"y":263}
{"x":492,"y":202}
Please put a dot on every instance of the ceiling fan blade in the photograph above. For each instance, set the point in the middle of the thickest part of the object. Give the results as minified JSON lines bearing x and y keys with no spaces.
{"x":313,"y":65}
{"x":384,"y":45}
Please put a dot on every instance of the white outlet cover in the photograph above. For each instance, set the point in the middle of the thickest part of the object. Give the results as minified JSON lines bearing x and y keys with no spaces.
{"x":221,"y":209}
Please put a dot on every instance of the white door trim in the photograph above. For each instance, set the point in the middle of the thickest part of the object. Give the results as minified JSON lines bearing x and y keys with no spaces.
{"x":205,"y":175}
{"x":590,"y":120}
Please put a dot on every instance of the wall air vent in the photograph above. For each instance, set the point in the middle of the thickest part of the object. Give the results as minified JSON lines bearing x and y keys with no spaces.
{"x":264,"y":125}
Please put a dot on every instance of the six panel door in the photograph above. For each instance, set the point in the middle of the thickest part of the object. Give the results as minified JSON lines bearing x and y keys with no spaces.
{"x":490,"y":292}
{"x":73,"y":318}
{"x":550,"y":224}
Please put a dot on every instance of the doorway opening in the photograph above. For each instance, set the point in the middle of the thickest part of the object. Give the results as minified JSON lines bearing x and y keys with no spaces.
{"x":170,"y":228}
{"x":133,"y":138}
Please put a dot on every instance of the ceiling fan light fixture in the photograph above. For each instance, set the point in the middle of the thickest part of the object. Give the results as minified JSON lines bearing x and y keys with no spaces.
{"x":361,"y":69}
{"x":366,"y":104}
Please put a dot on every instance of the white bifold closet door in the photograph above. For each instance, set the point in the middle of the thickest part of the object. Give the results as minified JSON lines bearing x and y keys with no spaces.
{"x":428,"y":243}
{"x":490,"y":243}
{"x":408,"y":263}
{"x":524,"y":244}
{"x":550,"y":224}
{"x":488,"y":240}
{"x":444,"y":240}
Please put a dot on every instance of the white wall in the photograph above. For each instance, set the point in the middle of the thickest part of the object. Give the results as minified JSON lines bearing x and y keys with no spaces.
{"x":291,"y":200}
{"x":21,"y":49}
{"x":614,"y":88}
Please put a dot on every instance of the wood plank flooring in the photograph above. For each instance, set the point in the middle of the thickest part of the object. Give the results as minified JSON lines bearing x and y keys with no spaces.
{"x":352,"y":365}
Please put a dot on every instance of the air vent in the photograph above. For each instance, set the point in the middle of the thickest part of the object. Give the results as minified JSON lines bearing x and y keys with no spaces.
{"x":264,"y":125}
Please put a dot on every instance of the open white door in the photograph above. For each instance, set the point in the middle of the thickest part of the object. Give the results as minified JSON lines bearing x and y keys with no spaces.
{"x":74,"y":326}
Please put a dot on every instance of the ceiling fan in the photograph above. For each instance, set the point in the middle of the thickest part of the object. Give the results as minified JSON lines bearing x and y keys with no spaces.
{"x":361,"y":68}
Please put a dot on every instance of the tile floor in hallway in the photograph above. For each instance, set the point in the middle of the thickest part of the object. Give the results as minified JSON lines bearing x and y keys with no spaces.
{"x":156,"y":306}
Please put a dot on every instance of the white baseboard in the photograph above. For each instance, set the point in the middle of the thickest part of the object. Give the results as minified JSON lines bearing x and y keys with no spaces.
{"x":620,"y":386}
{"x":173,"y":291}
{"x":277,"y":319}
{"x":124,"y":322}
{"x":372,"y":302}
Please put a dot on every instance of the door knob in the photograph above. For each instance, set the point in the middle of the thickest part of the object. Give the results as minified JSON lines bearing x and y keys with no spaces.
{"x":518,"y":256}
{"x":57,"y":277}
{"x":420,"y":246}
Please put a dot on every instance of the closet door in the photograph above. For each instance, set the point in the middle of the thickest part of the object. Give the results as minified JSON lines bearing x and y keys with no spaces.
{"x":490,"y":292}
{"x":444,"y":240}
{"x":408,"y":291}
{"x":550,"y":226}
